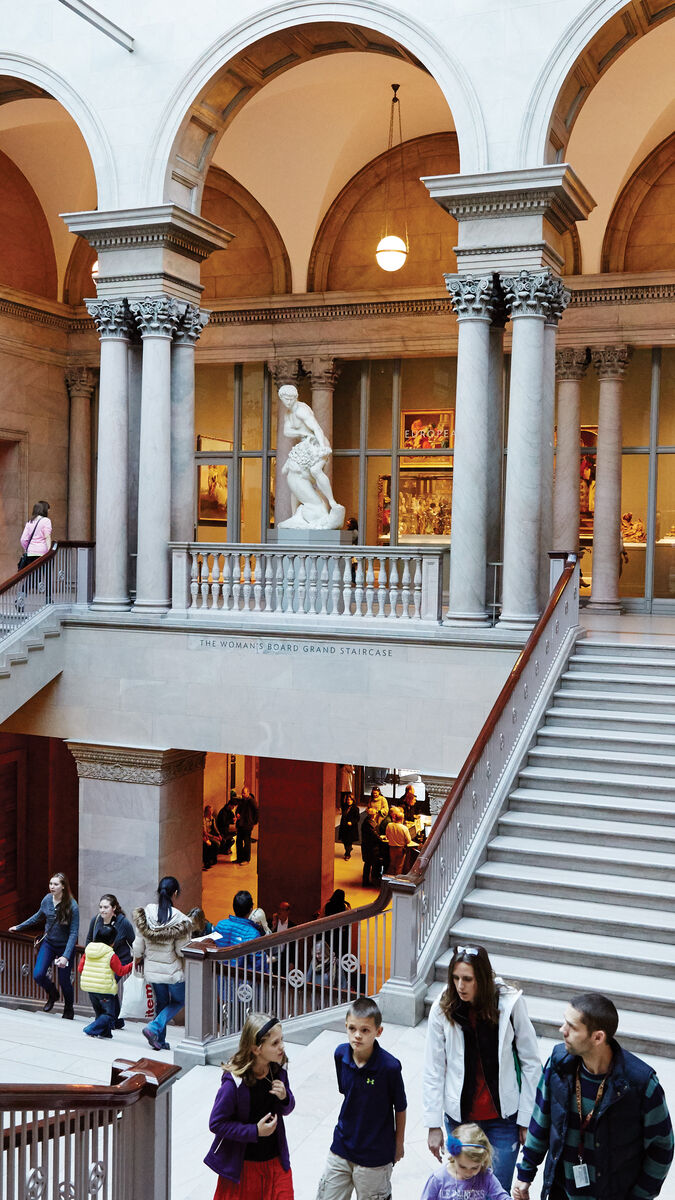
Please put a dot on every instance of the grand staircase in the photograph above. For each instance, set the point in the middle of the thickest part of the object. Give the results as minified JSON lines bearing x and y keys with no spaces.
{"x":578,"y":889}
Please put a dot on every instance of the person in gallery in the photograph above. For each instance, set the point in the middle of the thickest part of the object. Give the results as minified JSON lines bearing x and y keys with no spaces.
{"x":162,"y":933}
{"x":59,"y":915}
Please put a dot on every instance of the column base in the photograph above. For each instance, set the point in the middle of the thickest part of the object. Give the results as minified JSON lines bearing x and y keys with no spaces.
{"x":402,"y":1002}
{"x":151,"y":606}
{"x":479,"y":619}
{"x":523,"y":621}
{"x":610,"y":607}
{"x":111,"y":603}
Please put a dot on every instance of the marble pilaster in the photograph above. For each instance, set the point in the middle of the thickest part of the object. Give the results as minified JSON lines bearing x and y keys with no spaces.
{"x":282,"y":370}
{"x":570,"y":366}
{"x":115,"y":330}
{"x":80,"y":382}
{"x":558,"y":301}
{"x":140,"y":819}
{"x":183,"y":423}
{"x":323,"y":375}
{"x":474,"y":301}
{"x":610,"y":362}
{"x":528,"y":298}
{"x":157,"y":319}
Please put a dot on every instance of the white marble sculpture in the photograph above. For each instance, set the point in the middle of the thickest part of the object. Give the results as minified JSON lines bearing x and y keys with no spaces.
{"x":312,"y":499}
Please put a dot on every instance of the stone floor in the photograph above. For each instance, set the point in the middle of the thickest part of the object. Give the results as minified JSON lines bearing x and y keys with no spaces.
{"x":35,"y":1048}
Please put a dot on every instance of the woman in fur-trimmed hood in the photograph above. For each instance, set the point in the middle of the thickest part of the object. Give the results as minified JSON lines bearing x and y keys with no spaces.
{"x":162,"y":933}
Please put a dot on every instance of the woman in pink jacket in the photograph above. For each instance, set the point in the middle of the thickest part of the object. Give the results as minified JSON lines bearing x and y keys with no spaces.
{"x":36,"y":538}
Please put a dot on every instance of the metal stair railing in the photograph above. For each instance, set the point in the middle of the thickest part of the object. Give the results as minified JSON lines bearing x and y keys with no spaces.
{"x":61,"y":577}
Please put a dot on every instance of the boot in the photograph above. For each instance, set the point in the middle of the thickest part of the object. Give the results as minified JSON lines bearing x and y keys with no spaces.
{"x":51,"y":1000}
{"x":67,"y":1013}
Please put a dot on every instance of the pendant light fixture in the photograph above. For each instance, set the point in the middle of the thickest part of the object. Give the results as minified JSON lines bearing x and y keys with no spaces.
{"x":392,"y":250}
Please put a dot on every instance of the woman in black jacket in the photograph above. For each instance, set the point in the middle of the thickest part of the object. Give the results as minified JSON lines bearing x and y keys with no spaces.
{"x":348,"y":831}
{"x":111,"y":914}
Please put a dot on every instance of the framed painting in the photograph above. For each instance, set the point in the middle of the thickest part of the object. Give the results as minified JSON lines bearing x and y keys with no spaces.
{"x":212,"y":495}
{"x":424,"y":504}
{"x":431,"y":429}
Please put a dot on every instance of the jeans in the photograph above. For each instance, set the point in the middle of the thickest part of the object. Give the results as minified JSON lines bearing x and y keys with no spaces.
{"x":45,"y":957}
{"x":105,"y":1014}
{"x":169,"y":999}
{"x":503,"y":1135}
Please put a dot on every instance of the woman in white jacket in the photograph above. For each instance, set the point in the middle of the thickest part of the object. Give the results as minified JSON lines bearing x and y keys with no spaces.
{"x":481,"y":1060}
{"x":162,"y":933}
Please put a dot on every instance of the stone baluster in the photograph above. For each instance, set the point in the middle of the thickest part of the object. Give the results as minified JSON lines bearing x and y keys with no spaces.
{"x":570,"y":367}
{"x":157,"y":318}
{"x":183,"y":423}
{"x":323,"y":375}
{"x":558,"y":301}
{"x":80,"y":382}
{"x":115,"y":330}
{"x":474,"y":302}
{"x":610,"y":362}
{"x":528,"y":298}
{"x":284,"y":370}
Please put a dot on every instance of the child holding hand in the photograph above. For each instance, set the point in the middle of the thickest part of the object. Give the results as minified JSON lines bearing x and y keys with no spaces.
{"x":250,"y":1151}
{"x":466,"y":1174}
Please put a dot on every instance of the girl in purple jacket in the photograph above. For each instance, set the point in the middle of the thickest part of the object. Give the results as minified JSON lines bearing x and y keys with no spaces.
{"x":467,"y":1171}
{"x":250,"y":1151}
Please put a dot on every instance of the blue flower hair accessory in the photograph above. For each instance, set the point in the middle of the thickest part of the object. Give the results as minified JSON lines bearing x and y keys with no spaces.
{"x":455,"y":1147}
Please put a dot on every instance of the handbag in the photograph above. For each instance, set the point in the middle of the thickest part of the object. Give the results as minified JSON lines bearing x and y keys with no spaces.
{"x":134,"y":997}
{"x":23,"y":561}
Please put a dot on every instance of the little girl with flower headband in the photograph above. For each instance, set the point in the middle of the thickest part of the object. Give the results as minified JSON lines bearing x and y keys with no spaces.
{"x":466,"y":1173}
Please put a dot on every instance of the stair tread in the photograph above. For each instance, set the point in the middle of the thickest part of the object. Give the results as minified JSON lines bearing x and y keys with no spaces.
{"x":643,"y":661}
{"x":637,"y":680}
{"x":660,"y":808}
{"x":635,"y":697}
{"x":599,"y":756}
{"x":572,"y":976}
{"x":613,"y":714}
{"x":588,"y":777}
{"x":515,"y":816}
{"x":512,"y":872}
{"x":580,"y":851}
{"x":478,"y":928}
{"x":556,"y":733}
{"x":583,"y":909}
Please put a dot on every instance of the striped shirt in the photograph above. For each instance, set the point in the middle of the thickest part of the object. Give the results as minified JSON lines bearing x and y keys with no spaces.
{"x":656,"y":1130}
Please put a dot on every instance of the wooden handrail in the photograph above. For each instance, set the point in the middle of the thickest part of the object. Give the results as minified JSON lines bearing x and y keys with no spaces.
{"x":8,"y":583}
{"x":129,"y":1082}
{"x":419,"y":868}
{"x":353,"y":916}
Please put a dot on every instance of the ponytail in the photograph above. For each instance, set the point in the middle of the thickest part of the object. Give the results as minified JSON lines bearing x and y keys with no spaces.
{"x":168,"y":888}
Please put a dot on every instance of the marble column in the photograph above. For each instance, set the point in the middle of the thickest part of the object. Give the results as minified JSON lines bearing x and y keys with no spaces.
{"x":283,"y":370}
{"x":528,"y":297}
{"x":183,"y":423}
{"x":473,"y":301}
{"x":113,"y":323}
{"x":495,"y":441}
{"x":558,"y":301}
{"x":323,"y":375}
{"x":140,"y":819}
{"x":157,"y":318}
{"x":80,"y":382}
{"x":610,"y":363}
{"x":570,"y":368}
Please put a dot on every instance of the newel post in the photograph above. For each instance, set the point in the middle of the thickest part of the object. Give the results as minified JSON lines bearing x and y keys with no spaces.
{"x":200,"y":1008}
{"x":402,"y":997}
{"x":432,"y":587}
{"x":180,"y":577}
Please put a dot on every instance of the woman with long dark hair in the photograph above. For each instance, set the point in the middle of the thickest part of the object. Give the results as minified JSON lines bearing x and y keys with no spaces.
{"x":112,"y":916}
{"x":36,"y":538}
{"x":61,"y":918}
{"x":163,"y":932}
{"x":481,"y":1060}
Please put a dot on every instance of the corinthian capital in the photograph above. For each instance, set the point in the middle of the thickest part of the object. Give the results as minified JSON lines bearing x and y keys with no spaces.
{"x":559,"y":298}
{"x":570,"y":363}
{"x":112,"y":318}
{"x":610,"y":361}
{"x":284,"y":370}
{"x":532,"y":294}
{"x":472,"y":299}
{"x":156,"y":316}
{"x":80,"y":380}
{"x":191,"y":324}
{"x":322,"y":371}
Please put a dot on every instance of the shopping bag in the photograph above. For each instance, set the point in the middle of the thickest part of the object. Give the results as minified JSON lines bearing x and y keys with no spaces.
{"x":135,"y":997}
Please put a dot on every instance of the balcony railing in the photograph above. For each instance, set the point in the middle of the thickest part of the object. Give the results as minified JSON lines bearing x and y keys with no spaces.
{"x":355,"y":583}
{"x":61,"y":577}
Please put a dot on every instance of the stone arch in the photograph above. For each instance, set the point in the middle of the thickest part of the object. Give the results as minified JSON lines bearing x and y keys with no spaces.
{"x":77,"y":282}
{"x":191,"y":125}
{"x":343,"y":254}
{"x":649,"y":193}
{"x":256,"y":262}
{"x":27,"y":258}
{"x":47,"y":81}
{"x":589,"y":46}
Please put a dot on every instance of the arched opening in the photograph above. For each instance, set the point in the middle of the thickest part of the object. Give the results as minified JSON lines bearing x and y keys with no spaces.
{"x":640,"y":233}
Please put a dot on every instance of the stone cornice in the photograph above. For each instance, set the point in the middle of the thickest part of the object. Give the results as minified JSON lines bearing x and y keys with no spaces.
{"x":166,"y":225}
{"x":123,"y":765}
{"x":552,"y":191}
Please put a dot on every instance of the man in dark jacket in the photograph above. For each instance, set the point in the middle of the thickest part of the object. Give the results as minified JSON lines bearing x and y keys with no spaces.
{"x":247,"y":817}
{"x":600,"y":1117}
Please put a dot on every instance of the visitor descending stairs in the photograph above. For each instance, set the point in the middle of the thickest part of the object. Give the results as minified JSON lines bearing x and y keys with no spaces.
{"x":578,"y":889}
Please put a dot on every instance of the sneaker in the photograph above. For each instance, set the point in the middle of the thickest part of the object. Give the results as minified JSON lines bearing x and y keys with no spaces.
{"x":152,"y":1038}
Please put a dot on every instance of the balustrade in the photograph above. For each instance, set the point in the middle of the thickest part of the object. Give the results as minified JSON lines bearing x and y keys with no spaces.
{"x":361,"y":583}
{"x":63,"y":576}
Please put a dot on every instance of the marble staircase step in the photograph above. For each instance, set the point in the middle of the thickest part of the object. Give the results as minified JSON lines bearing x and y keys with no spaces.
{"x":640,"y":892}
{"x":627,"y":682}
{"x":625,"y":648}
{"x":651,"y":925}
{"x":609,"y":662}
{"x":608,"y":740}
{"x":603,"y":783}
{"x":594,"y":719}
{"x":626,"y":761}
{"x":579,"y":804}
{"x":630,"y":835}
{"x":586,"y":696}
{"x":577,"y":855}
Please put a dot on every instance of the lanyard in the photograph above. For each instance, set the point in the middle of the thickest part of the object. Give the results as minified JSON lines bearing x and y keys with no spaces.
{"x":584,"y":1121}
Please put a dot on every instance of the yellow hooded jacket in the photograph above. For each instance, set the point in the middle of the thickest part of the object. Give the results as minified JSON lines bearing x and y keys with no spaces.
{"x":96,"y":974}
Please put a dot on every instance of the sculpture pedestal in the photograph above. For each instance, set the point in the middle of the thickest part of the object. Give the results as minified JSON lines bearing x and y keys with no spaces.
{"x":305,"y":539}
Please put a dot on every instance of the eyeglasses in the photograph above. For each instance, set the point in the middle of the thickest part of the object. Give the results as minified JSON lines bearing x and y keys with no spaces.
{"x":466,"y":950}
